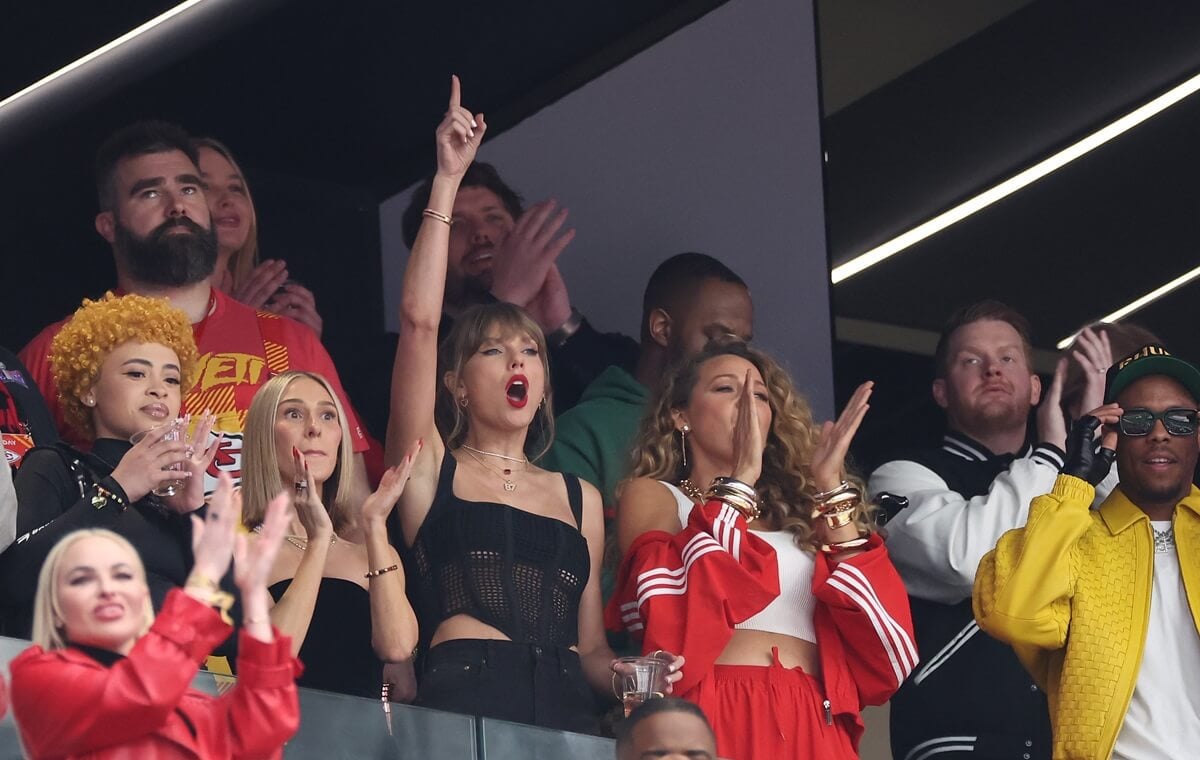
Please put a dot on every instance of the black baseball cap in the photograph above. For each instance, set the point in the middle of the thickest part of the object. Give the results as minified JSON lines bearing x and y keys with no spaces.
{"x":1150,"y":360}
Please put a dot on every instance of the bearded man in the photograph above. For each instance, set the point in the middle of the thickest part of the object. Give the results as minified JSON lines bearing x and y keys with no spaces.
{"x":154,"y":215}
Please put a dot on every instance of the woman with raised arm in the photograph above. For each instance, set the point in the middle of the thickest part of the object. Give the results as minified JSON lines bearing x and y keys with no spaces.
{"x":121,"y":364}
{"x":504,"y":556}
{"x":106,"y":678}
{"x":748,"y":550}
{"x":337,"y":587}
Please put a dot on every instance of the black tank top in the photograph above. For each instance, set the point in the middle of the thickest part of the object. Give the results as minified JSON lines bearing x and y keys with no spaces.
{"x":518,"y":572}
{"x":337,"y":652}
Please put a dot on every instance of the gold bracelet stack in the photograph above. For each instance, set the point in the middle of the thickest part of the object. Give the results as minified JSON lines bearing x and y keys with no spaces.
{"x":741,"y":496}
{"x":438,"y":216}
{"x":219,"y":600}
{"x":837,"y":505}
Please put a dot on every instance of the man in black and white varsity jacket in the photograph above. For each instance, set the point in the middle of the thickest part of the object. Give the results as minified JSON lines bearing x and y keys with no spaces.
{"x":970,"y":697}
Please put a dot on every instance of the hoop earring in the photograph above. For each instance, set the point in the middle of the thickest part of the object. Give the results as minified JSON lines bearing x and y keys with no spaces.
{"x":683,"y":444}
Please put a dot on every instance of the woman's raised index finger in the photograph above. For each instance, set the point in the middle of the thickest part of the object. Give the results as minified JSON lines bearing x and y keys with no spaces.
{"x":455,"y":91}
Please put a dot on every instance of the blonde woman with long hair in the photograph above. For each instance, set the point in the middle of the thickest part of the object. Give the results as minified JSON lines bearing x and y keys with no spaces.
{"x":748,"y":549}
{"x":337,"y":587}
{"x":106,"y":678}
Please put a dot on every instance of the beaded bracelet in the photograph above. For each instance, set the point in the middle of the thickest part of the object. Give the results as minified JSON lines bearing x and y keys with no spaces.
{"x":381,"y":571}
{"x":102,"y":497}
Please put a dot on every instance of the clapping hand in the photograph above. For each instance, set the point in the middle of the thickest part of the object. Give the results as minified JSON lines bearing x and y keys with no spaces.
{"x":829,"y":457}
{"x":213,"y":535}
{"x":309,"y":508}
{"x":526,"y":259}
{"x":1093,"y":353}
{"x":379,"y":505}
{"x":748,"y":437}
{"x":262,"y":283}
{"x":458,"y":135}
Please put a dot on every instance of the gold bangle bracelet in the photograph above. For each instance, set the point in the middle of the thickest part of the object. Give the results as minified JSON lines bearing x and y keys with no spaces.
{"x":842,"y":546}
{"x":841,"y":508}
{"x":438,"y":216}
{"x":839,"y":519}
{"x":841,"y":488}
{"x":381,"y":571}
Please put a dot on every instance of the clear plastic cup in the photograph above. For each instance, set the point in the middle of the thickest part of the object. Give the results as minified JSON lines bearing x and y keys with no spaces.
{"x":174,"y":432}
{"x":640,"y":679}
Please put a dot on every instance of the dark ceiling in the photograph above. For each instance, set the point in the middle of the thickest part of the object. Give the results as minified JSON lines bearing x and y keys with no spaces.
{"x":1070,"y":248}
{"x":330,"y":95}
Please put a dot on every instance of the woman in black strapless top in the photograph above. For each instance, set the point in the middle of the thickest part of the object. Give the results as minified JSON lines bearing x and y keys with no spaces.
{"x":338,"y":588}
{"x":504,"y":557}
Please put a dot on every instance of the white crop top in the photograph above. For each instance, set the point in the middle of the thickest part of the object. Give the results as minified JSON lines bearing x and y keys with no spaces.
{"x":790,"y":613}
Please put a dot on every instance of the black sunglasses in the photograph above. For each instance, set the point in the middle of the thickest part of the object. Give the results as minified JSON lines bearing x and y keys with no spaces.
{"x":1176,"y":421}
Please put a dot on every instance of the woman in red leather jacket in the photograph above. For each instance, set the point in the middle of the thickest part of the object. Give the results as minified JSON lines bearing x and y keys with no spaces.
{"x":107,"y":679}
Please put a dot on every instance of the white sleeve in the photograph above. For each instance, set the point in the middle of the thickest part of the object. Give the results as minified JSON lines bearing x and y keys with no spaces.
{"x":8,"y":505}
{"x":938,"y":540}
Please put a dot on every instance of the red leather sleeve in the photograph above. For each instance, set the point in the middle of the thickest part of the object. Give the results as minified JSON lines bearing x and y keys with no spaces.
{"x":262,"y":711}
{"x":67,"y":705}
{"x":684,"y":593}
{"x":868,"y":605}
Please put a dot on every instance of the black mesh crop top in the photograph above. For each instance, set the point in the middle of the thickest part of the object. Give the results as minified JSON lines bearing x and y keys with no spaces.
{"x":518,"y":572}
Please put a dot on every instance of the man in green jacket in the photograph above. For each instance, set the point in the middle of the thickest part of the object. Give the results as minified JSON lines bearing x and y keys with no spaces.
{"x":691,"y":298}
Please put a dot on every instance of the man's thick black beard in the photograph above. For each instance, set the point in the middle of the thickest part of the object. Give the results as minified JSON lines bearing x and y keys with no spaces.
{"x":167,"y":258}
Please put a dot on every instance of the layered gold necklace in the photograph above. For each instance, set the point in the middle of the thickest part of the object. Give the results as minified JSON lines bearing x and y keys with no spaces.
{"x":505,"y":473}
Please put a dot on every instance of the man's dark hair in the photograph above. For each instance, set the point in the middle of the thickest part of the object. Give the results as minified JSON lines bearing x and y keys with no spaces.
{"x":978,"y":312}
{"x":650,"y":708}
{"x":677,"y":278}
{"x":478,"y":174}
{"x":137,"y":139}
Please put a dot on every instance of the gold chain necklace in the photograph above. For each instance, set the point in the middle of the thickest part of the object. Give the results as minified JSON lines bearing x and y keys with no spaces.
{"x":693,"y":493}
{"x":300,"y":542}
{"x":518,"y":460}
{"x":509,"y":485}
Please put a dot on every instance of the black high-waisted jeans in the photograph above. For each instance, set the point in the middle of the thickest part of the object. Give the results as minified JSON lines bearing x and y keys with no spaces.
{"x":522,"y":683}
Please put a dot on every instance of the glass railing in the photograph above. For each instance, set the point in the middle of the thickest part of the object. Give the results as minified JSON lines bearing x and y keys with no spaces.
{"x":334,"y":726}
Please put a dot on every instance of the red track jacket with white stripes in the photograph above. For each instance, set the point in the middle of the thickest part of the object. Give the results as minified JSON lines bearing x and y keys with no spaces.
{"x":684,"y":593}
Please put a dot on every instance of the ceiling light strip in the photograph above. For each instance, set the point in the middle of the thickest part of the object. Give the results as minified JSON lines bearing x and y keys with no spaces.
{"x":101,"y":51}
{"x":1009,"y":186}
{"x":1140,"y":303}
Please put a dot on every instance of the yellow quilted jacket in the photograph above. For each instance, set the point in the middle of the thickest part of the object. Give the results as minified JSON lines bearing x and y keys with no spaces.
{"x":1071,"y":592}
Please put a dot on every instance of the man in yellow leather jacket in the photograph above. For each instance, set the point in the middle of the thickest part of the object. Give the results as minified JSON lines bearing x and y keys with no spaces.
{"x":1102,"y":606}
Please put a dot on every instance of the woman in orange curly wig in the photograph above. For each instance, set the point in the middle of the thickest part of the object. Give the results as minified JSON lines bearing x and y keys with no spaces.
{"x":121,"y":364}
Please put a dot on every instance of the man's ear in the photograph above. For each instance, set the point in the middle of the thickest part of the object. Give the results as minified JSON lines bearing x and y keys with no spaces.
{"x":106,"y":225}
{"x":1035,"y":390}
{"x":939,"y":392}
{"x":659,"y":326}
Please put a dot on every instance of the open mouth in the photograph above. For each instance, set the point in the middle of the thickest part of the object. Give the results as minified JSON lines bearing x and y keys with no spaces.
{"x":517,"y":391}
